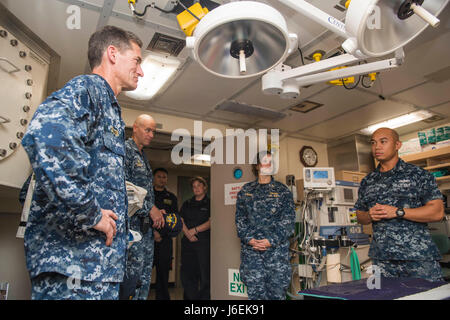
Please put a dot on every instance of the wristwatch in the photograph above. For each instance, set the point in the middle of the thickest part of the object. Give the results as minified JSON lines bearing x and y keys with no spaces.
{"x":400,"y":212}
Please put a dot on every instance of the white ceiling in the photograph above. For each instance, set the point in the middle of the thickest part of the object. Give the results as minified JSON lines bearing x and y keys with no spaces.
{"x":195,"y":93}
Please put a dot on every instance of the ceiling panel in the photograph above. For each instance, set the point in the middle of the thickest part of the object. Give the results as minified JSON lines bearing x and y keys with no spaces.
{"x":429,"y":56}
{"x":232,"y":117}
{"x":198,"y":91}
{"x":427,"y":95}
{"x":421,"y":59}
{"x":254,"y":96}
{"x":443,"y":109}
{"x":356,"y":120}
{"x":301,"y":23}
{"x":98,"y":3}
{"x":152,"y":15}
{"x":335,"y":101}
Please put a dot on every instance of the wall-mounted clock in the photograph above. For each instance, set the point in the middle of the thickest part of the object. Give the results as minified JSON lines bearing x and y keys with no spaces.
{"x":308,"y":156}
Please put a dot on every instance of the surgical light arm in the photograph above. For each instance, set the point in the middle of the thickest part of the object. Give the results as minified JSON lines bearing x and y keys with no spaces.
{"x":275,"y":81}
{"x":286,"y":81}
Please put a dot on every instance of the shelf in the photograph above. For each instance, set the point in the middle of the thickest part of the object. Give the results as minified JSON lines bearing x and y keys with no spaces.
{"x":433,"y":159}
{"x":438,"y":166}
{"x":436,"y":153}
{"x":443,"y":179}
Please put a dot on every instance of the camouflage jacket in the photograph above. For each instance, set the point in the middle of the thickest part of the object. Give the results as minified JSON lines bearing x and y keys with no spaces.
{"x":139,"y":172}
{"x":76,"y":145}
{"x":265,"y":211}
{"x":405,"y":186}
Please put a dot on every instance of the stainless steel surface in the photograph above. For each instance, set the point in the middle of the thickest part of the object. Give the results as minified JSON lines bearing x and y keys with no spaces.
{"x":352,"y":154}
{"x":394,"y":32}
{"x":269,"y":45}
{"x":364,"y":154}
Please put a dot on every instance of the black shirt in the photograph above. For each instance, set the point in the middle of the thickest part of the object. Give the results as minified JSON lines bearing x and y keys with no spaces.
{"x":195,"y":213}
{"x":165,"y":200}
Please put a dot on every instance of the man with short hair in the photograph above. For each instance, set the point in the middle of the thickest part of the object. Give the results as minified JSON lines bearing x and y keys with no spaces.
{"x":139,"y":172}
{"x":399,"y":199}
{"x":76,"y":235}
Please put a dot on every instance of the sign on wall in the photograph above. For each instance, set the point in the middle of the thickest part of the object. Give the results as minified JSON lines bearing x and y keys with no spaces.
{"x":231,"y":191}
{"x":235,"y":286}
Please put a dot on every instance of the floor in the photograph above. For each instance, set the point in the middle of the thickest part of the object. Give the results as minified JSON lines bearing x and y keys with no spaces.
{"x":175,"y":293}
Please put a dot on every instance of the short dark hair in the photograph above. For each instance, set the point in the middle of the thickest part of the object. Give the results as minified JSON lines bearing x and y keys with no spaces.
{"x":199,"y":179}
{"x":160,"y":169}
{"x":103,"y":38}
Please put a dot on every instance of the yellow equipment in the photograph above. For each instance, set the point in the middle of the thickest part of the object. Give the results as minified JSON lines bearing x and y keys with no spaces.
{"x":317,"y":56}
{"x":341,"y":82}
{"x":187,"y":21}
{"x":132,"y":4}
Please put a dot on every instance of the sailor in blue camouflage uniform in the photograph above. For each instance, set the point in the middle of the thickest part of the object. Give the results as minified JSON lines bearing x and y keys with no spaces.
{"x":265,"y":219}
{"x":139,"y":172}
{"x":399,"y":199}
{"x":76,"y":235}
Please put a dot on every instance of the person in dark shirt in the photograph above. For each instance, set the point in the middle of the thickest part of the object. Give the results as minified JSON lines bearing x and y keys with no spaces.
{"x":195,"y":245}
{"x":166,"y":200}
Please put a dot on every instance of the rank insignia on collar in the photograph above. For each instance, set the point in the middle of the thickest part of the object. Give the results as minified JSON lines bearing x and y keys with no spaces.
{"x":139,"y":163}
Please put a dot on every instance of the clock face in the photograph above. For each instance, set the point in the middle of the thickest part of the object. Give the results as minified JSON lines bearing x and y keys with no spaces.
{"x":308,"y":156}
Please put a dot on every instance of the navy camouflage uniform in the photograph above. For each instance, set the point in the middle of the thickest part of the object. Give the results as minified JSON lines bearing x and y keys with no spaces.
{"x":76,"y":146}
{"x":265,"y":211}
{"x":140,"y":255}
{"x":400,"y":247}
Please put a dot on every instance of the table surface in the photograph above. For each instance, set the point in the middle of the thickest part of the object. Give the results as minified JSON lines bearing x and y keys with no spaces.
{"x":384,"y":289}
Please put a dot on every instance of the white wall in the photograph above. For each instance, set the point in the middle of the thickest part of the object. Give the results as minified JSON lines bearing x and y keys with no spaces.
{"x":12,"y":258}
{"x":290,"y":157}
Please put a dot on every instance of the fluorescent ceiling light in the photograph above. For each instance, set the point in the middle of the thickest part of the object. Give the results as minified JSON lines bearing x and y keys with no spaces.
{"x":399,"y":121}
{"x":202,"y":157}
{"x":158,"y":69}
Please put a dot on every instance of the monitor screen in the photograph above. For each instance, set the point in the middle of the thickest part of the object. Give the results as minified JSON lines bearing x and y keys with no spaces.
{"x":320,"y":174}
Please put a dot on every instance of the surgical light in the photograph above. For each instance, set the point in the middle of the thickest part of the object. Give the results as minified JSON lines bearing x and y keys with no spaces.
{"x":241,"y":39}
{"x":246,"y":38}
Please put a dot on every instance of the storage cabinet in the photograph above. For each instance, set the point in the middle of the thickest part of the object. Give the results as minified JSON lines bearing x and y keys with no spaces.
{"x":433,"y":160}
{"x":351,"y":176}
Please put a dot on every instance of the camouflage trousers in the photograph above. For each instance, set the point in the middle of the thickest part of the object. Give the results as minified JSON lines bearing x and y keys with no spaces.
{"x":140,"y":263}
{"x":428,"y":270}
{"x":266,"y":274}
{"x":55,"y":286}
